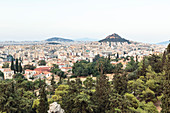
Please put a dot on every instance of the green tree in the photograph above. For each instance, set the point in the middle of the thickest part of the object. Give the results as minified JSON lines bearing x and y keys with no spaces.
{"x":31,"y":67}
{"x":55,"y":70}
{"x":148,"y":95}
{"x":53,"y":84}
{"x":117,"y":68}
{"x":62,"y":90}
{"x":166,"y":84}
{"x":133,"y":101}
{"x":16,"y":65}
{"x":83,"y":104}
{"x":96,"y":58}
{"x":136,"y":87}
{"x":145,"y":108}
{"x":5,"y":65}
{"x":20,"y":68}
{"x":1,"y":74}
{"x":117,"y":104}
{"x":109,"y":57}
{"x":13,"y":100}
{"x":120,"y":84}
{"x":155,"y":86}
{"x":61,"y":75}
{"x":35,"y":105}
{"x":131,"y":66}
{"x":142,"y":67}
{"x":80,"y":69}
{"x":89,"y":83}
{"x":43,"y":105}
{"x":102,"y":92}
{"x":150,"y":74}
{"x":12,"y":64}
{"x":75,"y":88}
{"x":155,"y":62}
{"x":42,"y":63}
{"x":18,"y":75}
{"x":117,"y":55}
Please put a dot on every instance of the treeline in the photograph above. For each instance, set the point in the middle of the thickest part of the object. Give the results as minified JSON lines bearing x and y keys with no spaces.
{"x":85,"y":68}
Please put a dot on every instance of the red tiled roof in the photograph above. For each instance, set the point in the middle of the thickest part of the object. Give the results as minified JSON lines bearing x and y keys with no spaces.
{"x":66,"y":67}
{"x":43,"y":69}
{"x":29,"y":70}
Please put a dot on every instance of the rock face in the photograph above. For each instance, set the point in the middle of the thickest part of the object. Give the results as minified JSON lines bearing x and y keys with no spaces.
{"x":55,"y":108}
{"x":114,"y":38}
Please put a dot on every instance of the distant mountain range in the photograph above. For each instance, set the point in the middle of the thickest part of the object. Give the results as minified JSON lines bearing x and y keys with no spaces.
{"x":164,"y":43}
{"x":114,"y":38}
{"x":58,"y":39}
{"x":86,"y":39}
{"x":110,"y":38}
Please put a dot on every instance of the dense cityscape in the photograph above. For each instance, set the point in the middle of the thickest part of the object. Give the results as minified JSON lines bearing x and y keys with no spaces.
{"x":84,"y":77}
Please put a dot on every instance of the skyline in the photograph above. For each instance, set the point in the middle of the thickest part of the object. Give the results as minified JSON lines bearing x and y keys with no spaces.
{"x":141,"y":21}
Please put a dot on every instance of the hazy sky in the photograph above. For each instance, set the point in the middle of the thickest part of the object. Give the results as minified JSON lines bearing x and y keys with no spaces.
{"x":138,"y":20}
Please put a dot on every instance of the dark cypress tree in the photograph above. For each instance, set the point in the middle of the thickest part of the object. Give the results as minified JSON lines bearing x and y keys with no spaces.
{"x":43,"y":106}
{"x":14,"y":71}
{"x":168,"y":49}
{"x":16,"y":65}
{"x":109,"y":57}
{"x":136,"y":58}
{"x":163,"y":58}
{"x":53,"y":84}
{"x":117,"y":56}
{"x":12,"y":64}
{"x":20,"y":68}
{"x":166,"y":84}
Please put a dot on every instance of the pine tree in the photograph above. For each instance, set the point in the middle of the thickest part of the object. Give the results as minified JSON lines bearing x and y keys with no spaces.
{"x":120,"y":84}
{"x":166,"y":84}
{"x":12,"y":64}
{"x":43,"y":106}
{"x":101,"y":95}
{"x":144,"y":68}
{"x":14,"y":100}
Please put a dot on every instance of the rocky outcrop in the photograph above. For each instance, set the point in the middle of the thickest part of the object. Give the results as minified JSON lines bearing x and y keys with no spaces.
{"x":55,"y":108}
{"x":114,"y":38}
